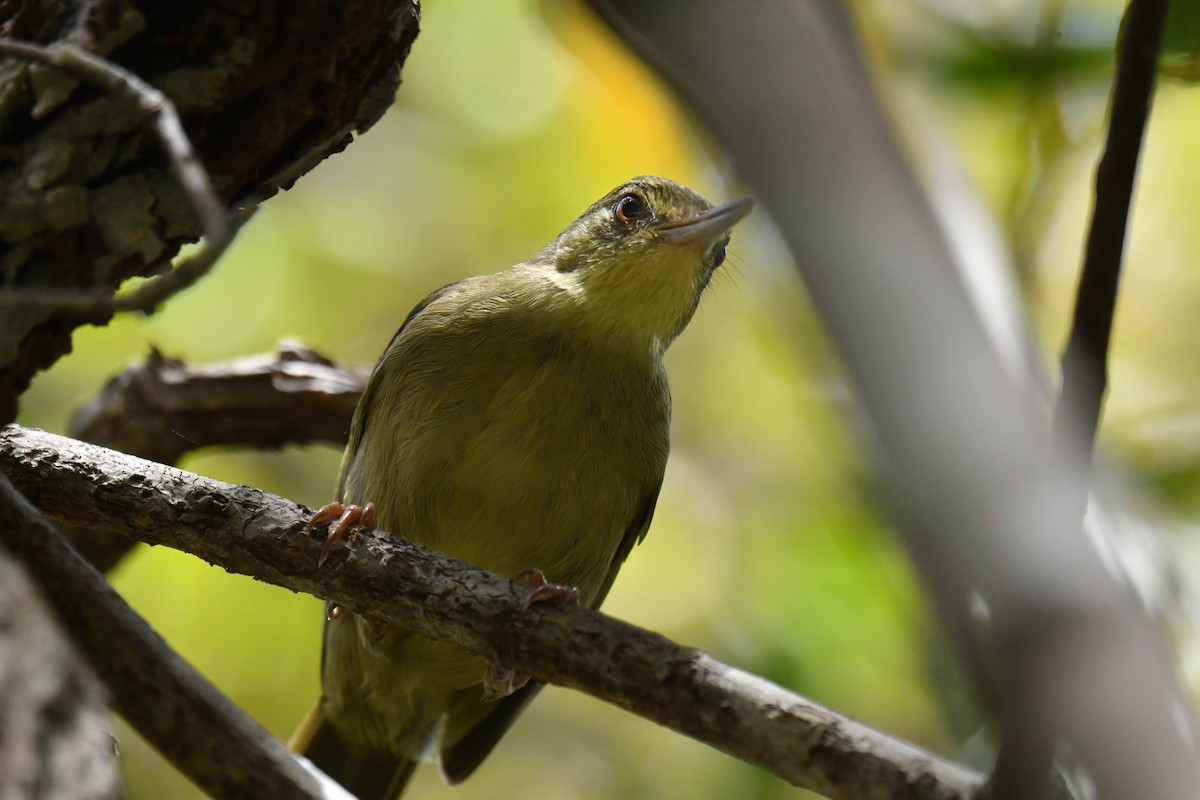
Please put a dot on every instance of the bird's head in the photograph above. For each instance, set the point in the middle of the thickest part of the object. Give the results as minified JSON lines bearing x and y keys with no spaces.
{"x":639,"y":258}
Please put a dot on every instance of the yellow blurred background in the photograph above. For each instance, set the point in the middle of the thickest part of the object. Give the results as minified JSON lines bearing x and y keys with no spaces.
{"x":767,"y":549}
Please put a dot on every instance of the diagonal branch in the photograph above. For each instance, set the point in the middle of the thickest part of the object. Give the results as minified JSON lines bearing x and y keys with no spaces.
{"x":219,"y":748}
{"x":1084,"y":363}
{"x":251,"y":532}
{"x":987,"y":506}
{"x":88,"y":200}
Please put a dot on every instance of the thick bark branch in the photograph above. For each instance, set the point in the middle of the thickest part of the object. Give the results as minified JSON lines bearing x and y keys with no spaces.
{"x":86,"y":199}
{"x":162,"y":118}
{"x":248,"y":531}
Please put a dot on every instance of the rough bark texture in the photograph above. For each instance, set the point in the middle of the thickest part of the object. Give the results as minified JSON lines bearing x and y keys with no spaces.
{"x":251,"y":532}
{"x":86,"y":199}
{"x":164,"y":408}
{"x":54,"y":729}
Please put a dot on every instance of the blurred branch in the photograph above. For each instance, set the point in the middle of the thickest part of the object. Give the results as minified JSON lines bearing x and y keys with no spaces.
{"x":250,"y":532}
{"x":1027,"y":749}
{"x":1084,"y":363}
{"x":165,"y":408}
{"x":54,"y":739}
{"x":987,"y":503}
{"x":196,"y":727}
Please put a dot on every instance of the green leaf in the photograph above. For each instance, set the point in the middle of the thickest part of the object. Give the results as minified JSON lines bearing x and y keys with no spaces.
{"x":1181,"y":42}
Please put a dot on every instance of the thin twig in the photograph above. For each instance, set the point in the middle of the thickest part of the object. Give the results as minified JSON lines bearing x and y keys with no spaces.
{"x":191,"y":723}
{"x":251,"y":532}
{"x":1084,"y":362}
{"x":217,"y":227}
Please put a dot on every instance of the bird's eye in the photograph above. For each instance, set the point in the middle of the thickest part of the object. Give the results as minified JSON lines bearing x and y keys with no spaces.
{"x":629,"y":209}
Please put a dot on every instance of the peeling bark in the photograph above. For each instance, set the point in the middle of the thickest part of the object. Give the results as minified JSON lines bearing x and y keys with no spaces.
{"x":86,"y":199}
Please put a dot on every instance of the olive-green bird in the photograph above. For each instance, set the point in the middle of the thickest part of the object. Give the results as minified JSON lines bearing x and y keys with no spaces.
{"x":517,"y":420}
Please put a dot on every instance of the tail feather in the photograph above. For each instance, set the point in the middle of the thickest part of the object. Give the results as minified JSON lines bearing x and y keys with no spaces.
{"x":463,"y":757}
{"x":366,"y":774}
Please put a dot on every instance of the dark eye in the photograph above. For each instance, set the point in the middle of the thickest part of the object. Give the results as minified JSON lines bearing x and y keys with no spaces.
{"x":629,"y":209}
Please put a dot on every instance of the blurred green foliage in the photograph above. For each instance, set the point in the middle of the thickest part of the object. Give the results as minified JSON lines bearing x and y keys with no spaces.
{"x":768,"y":549}
{"x":1181,"y":42}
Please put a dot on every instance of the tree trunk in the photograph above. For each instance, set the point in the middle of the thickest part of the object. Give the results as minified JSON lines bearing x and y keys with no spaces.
{"x":86,"y":196}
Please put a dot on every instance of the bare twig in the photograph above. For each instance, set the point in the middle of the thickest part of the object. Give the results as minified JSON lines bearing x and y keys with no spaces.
{"x":251,"y":532}
{"x":196,"y":727}
{"x":1084,"y":362}
{"x":161,"y":117}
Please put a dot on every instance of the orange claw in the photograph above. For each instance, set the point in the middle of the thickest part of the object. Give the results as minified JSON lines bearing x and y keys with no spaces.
{"x":544,"y":591}
{"x":501,"y":681}
{"x":351,"y":516}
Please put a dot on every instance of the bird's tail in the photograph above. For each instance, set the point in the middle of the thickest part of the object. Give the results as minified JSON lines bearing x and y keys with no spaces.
{"x":366,"y":774}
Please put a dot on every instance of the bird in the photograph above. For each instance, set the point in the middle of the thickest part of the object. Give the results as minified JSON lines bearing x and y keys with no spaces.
{"x":518,"y":421}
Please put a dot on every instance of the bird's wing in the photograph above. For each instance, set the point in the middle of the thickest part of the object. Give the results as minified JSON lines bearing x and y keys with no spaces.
{"x":358,"y":424}
{"x":461,"y":758}
{"x":634,"y":534}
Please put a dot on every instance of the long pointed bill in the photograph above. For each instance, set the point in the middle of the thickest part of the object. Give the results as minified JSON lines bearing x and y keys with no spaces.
{"x":709,"y":226}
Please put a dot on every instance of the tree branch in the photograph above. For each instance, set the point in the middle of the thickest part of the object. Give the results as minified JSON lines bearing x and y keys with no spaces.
{"x":164,"y":408}
{"x":1084,"y":362}
{"x":86,"y":200}
{"x":987,"y":505}
{"x":250,"y":532}
{"x":1026,"y":754}
{"x":221,"y":749}
{"x":54,"y":726}
{"x":161,"y":118}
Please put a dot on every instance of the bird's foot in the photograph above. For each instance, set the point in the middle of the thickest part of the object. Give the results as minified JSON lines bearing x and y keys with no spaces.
{"x":501,"y":681}
{"x":372,"y":630}
{"x":544,"y":591}
{"x":348,"y":517}
{"x":333,"y":612}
